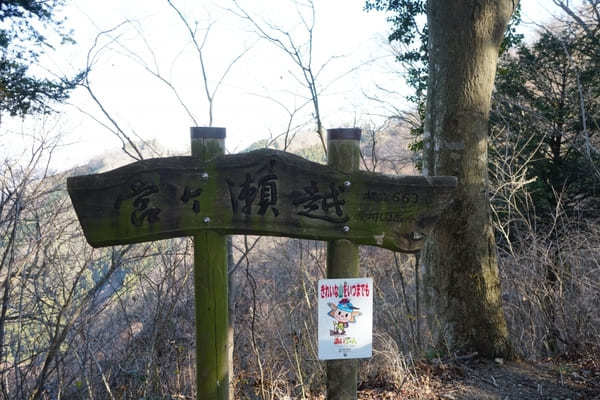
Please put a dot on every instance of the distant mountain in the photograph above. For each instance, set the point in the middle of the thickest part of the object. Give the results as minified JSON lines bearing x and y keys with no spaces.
{"x":118,"y":158}
{"x":389,"y":155}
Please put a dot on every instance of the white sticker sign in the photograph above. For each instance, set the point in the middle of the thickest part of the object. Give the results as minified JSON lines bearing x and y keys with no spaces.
{"x":345,"y":309}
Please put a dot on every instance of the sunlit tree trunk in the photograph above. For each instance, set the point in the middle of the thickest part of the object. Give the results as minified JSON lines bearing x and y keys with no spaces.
{"x":461,"y":267}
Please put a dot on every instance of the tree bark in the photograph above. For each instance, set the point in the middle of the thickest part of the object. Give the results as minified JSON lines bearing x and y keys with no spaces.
{"x":460,"y":262}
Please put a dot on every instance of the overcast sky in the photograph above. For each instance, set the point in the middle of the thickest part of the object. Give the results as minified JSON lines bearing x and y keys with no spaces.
{"x":349,"y":48}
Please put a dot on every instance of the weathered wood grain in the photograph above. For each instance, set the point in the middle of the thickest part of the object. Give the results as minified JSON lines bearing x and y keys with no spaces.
{"x":264,"y":192}
{"x":210,"y":286}
{"x":343,"y":153}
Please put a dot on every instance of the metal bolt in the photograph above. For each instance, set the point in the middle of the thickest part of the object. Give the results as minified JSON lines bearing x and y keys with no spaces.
{"x":347,"y":183}
{"x":204,"y":175}
{"x":206,"y":220}
{"x":346,"y":228}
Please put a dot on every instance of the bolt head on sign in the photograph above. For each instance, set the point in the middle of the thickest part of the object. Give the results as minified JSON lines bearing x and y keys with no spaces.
{"x":345,"y":308}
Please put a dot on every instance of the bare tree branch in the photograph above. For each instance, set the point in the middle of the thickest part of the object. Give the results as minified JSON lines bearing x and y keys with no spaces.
{"x":199,"y":47}
{"x":565,"y":7}
{"x":303,"y":60}
{"x":120,"y":133}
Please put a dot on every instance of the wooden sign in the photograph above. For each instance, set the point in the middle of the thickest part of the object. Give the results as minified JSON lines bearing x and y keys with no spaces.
{"x":264,"y":192}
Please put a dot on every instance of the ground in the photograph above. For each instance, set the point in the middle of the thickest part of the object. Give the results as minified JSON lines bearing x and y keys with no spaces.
{"x":471,"y":378}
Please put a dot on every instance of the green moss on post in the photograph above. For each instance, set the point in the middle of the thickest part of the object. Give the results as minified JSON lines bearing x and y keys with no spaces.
{"x":210,"y":283}
{"x":343,"y":151}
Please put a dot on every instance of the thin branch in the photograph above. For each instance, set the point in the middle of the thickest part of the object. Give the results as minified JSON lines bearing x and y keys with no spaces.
{"x":210,"y":94}
{"x":561,"y":4}
{"x":245,"y":252}
{"x":303,"y":61}
{"x":156,"y":72}
{"x":125,"y":139}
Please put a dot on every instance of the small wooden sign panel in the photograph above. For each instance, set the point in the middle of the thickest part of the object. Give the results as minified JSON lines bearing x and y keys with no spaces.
{"x":264,"y":192}
{"x":345,"y":318}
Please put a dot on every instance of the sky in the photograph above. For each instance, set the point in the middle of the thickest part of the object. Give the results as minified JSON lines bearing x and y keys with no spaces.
{"x":255,"y":98}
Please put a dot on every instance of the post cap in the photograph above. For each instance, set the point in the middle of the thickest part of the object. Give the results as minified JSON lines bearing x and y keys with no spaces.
{"x":344,"y":134}
{"x":207,"y":132}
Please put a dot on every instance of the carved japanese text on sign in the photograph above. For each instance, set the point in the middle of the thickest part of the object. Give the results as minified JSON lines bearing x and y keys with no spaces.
{"x":262,"y":192}
{"x":327,"y":205}
{"x":192,"y":195}
{"x":140,"y":192}
{"x":261,"y":186}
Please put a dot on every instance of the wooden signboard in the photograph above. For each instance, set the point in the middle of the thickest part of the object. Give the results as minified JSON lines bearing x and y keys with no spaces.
{"x":264,"y":192}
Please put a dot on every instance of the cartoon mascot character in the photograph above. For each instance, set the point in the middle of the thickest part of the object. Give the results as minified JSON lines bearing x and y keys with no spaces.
{"x":343,"y":313}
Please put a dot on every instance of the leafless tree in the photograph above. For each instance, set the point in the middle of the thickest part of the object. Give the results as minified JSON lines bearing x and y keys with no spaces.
{"x":300,"y":51}
{"x":110,"y":40}
{"x":46,"y":291}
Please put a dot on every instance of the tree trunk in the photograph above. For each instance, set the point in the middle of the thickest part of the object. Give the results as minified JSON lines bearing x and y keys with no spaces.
{"x":460,"y":261}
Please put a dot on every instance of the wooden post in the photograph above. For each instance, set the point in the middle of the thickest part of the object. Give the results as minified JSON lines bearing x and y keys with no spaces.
{"x":210,"y":283}
{"x":264,"y":192}
{"x":343,"y":154}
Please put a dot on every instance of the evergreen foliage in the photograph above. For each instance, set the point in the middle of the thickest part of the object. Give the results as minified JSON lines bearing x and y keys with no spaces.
{"x":544,"y":91}
{"x":405,"y":17}
{"x":22,"y":42}
{"x":546,"y":102}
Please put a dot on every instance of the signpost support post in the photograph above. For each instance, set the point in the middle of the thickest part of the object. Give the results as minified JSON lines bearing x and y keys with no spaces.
{"x":210,"y":285}
{"x":343,"y":154}
{"x":264,"y":192}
